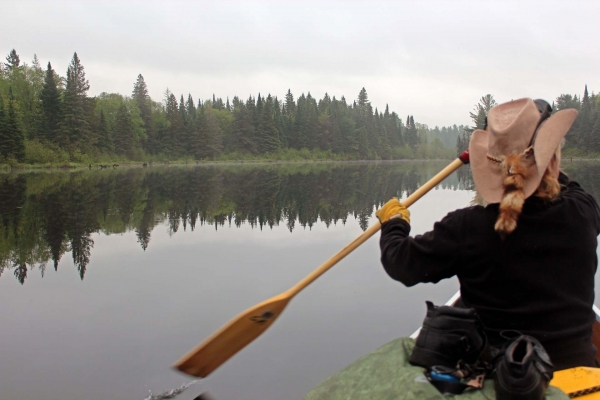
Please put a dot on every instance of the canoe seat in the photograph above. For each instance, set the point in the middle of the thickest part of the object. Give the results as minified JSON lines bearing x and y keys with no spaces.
{"x":579,"y":380}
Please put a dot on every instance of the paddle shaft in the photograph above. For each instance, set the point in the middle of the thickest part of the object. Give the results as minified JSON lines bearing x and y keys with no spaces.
{"x":337,"y":257}
{"x":242,"y":330}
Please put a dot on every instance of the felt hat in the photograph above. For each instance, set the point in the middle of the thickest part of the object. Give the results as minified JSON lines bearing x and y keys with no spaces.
{"x":514,"y":128}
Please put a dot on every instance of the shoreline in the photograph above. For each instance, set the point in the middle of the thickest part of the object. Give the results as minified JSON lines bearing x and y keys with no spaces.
{"x":97,"y":167}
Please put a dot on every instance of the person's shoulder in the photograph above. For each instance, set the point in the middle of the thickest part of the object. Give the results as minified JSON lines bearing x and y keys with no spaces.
{"x":577,"y":198}
{"x":475,"y":212}
{"x":573,"y":190}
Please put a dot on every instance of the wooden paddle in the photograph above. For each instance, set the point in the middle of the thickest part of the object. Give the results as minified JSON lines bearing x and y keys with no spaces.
{"x":247,"y":326}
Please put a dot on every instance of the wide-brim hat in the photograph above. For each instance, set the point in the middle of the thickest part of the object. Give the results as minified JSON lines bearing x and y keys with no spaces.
{"x":510,"y":129}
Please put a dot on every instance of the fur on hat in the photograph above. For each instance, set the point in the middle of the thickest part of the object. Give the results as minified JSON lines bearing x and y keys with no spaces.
{"x":510,"y":130}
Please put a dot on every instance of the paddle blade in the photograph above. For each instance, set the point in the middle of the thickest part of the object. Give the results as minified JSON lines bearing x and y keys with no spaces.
{"x":231,"y":338}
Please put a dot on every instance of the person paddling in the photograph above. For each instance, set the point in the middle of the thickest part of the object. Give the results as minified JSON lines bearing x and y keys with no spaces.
{"x":525,"y":262}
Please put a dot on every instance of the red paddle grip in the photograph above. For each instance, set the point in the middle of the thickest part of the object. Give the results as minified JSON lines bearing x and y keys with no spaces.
{"x":464,"y":157}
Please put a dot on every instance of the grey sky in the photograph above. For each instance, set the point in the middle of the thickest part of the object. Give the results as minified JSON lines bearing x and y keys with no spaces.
{"x":431,"y":59}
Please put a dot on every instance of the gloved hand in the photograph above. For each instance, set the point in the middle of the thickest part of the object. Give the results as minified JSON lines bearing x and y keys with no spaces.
{"x":393,"y":209}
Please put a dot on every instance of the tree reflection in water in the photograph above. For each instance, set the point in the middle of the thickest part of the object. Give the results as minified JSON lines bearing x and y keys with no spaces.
{"x":44,"y":215}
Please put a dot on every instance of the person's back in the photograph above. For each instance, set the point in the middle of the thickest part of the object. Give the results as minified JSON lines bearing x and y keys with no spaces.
{"x":526,"y":262}
{"x":539,"y":280}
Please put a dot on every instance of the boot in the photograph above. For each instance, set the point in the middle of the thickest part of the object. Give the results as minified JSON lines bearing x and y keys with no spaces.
{"x":523,"y":371}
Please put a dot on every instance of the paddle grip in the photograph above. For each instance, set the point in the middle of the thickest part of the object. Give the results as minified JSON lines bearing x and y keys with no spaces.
{"x":464,"y":156}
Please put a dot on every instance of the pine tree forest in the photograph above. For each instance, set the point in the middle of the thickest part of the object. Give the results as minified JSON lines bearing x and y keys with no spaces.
{"x":47,"y":118}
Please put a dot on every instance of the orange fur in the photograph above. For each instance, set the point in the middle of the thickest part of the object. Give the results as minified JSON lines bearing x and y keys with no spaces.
{"x":511,"y":205}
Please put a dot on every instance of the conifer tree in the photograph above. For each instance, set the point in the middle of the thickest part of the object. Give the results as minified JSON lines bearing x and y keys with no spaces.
{"x":481,"y":109}
{"x":363,"y":143}
{"x":13,"y":61}
{"x":123,"y":132}
{"x":412,"y":136}
{"x":142,"y":100}
{"x":243,"y":139}
{"x":363,"y":99}
{"x":290,"y":105}
{"x":105,"y":140}
{"x":258,"y":112}
{"x":595,"y":134}
{"x":5,"y":141}
{"x":214,"y":135}
{"x":297,"y":137}
{"x":14,"y":145}
{"x":268,"y":137}
{"x":207,"y":141}
{"x":585,"y":123}
{"x":176,"y":130}
{"x":337,"y":138}
{"x":182,"y":110}
{"x":190,"y":112}
{"x":51,"y":106}
{"x":74,"y":127}
{"x":279,"y":122}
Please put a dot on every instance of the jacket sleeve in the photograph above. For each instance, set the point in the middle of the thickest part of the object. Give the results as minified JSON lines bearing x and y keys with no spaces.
{"x":430,"y":257}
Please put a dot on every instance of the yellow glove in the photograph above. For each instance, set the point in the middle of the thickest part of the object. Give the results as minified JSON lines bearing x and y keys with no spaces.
{"x":393,"y":209}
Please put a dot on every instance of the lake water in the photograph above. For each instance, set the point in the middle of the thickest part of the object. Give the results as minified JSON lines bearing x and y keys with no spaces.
{"x":108,"y":277}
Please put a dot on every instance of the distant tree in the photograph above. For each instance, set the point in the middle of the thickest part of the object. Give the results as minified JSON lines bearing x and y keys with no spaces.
{"x":243,"y":139}
{"x":173,"y":143}
{"x":480,"y":111}
{"x":51,"y":106}
{"x":75,"y":130}
{"x":12,"y":142}
{"x":585,"y":119}
{"x":105,"y":140}
{"x":13,"y":61}
{"x":565,"y":101}
{"x":190,"y":109}
{"x":123,"y":132}
{"x":311,"y":123}
{"x":412,"y":135}
{"x":5,"y":141}
{"x":363,"y":99}
{"x":290,"y":105}
{"x":183,"y":111}
{"x":143,"y":102}
{"x":207,"y":140}
{"x":595,"y":134}
{"x":268,"y":137}
{"x":213,"y":135}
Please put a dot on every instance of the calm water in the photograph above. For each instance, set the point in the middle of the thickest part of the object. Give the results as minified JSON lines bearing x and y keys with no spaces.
{"x":108,"y":277}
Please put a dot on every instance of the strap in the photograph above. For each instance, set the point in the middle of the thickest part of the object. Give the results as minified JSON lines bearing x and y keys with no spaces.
{"x":446,"y":387}
{"x":584,"y":392}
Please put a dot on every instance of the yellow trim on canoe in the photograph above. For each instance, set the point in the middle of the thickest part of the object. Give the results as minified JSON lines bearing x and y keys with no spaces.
{"x":574,"y":380}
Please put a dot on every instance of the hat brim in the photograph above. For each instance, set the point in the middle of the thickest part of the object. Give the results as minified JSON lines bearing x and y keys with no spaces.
{"x":488,"y":175}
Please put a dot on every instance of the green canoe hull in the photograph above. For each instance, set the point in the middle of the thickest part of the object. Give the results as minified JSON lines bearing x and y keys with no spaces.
{"x":385,"y":374}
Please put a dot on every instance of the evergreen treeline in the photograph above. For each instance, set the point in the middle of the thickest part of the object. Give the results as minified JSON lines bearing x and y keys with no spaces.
{"x":45,"y":215}
{"x":583,"y":137}
{"x":48,"y":118}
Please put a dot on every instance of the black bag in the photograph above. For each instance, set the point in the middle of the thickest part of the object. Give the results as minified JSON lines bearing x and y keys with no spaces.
{"x":449,"y":336}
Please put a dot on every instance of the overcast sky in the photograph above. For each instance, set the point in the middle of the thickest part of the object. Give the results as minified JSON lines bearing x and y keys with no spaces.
{"x":431,"y":59}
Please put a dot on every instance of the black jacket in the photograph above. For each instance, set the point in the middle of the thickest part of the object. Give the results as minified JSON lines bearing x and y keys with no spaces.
{"x":538,"y":281}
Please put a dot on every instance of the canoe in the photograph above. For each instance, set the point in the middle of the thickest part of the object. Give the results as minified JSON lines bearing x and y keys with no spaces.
{"x":582,"y":383}
{"x":386,"y":374}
